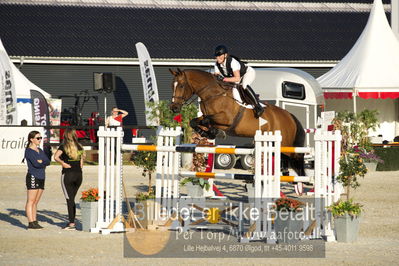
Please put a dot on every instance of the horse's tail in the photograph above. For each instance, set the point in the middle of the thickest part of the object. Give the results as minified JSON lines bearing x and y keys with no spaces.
{"x":297,"y":159}
{"x":300,"y":133}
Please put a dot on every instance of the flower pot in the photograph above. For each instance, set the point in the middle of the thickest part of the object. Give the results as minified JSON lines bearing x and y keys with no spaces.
{"x":346,"y":228}
{"x":187,"y":160}
{"x":194,"y":191}
{"x":288,"y":230}
{"x":89,"y":212}
{"x":371,"y":167}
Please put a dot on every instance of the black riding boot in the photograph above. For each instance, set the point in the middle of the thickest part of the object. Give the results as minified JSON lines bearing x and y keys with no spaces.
{"x":258,"y":109}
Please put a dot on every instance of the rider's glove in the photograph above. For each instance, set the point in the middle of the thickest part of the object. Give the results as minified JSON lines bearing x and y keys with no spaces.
{"x":220,"y":77}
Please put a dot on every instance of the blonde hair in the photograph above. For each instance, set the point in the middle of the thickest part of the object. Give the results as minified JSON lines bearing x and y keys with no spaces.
{"x":71,"y":145}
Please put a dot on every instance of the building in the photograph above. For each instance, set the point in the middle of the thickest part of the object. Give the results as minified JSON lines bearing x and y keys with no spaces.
{"x":58,"y":45}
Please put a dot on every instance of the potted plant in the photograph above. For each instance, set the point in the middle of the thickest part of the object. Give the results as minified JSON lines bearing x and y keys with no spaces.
{"x":355,"y":148}
{"x":346,"y":219}
{"x":288,"y":221}
{"x":370,"y":160}
{"x":195,"y":186}
{"x":198,"y":187}
{"x":89,"y":208}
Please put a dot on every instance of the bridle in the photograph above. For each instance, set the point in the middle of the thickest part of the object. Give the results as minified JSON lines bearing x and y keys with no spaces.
{"x":187,"y":101}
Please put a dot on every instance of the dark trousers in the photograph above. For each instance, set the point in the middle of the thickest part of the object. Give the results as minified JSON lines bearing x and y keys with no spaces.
{"x":70,"y":182}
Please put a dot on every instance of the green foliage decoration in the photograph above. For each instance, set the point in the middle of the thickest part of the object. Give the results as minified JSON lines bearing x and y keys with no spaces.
{"x":147,"y":161}
{"x":340,"y":208}
{"x":166,"y":117}
{"x":355,"y":149}
{"x":161,"y":110}
{"x":143,"y":196}
{"x":202,"y":182}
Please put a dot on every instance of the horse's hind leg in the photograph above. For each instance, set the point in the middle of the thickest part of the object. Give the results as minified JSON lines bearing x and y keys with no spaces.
{"x":284,"y":164}
{"x":297,"y":163}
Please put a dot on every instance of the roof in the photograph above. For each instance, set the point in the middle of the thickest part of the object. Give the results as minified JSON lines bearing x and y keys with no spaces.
{"x":372,"y":65}
{"x":79,"y":31}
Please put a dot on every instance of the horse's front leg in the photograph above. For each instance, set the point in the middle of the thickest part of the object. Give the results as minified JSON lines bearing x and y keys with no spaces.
{"x":205,"y":126}
{"x":196,"y":125}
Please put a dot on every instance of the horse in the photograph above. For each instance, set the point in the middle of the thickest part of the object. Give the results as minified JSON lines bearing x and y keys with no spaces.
{"x":223,"y":115}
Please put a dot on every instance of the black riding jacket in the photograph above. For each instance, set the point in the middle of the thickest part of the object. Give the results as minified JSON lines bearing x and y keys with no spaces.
{"x":229,"y":73}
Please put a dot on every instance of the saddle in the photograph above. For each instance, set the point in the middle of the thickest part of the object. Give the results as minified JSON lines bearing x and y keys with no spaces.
{"x":245,"y":98}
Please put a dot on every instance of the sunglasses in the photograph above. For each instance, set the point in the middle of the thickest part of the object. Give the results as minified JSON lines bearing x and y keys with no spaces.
{"x":39,"y":138}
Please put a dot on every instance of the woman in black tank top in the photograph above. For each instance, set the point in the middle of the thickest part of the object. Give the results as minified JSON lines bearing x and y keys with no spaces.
{"x":71,"y":156}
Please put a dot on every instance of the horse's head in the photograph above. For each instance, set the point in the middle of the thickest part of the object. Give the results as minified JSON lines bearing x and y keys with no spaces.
{"x":182,"y":90}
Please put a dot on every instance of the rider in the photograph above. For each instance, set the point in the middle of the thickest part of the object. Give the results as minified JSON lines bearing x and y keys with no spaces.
{"x":233,"y":70}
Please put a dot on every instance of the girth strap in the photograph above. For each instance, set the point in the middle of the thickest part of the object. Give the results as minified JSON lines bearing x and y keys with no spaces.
{"x":231,"y":130}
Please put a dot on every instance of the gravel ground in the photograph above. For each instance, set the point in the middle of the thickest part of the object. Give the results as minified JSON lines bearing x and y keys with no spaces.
{"x":378,"y":242}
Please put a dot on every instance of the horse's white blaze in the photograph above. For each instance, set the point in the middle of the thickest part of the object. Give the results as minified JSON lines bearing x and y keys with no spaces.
{"x":174,"y":90}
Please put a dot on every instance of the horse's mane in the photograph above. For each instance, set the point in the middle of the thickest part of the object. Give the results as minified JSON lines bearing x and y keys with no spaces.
{"x":209,"y":75}
{"x":199,"y":71}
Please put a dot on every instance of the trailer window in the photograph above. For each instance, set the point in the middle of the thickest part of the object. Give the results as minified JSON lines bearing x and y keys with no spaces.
{"x":293,"y":90}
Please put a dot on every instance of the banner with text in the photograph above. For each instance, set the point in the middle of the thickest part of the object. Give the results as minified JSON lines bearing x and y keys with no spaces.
{"x":40,"y":113}
{"x":55,"y":118}
{"x":149,"y":82}
{"x":12,"y":144}
{"x":8,"y":97}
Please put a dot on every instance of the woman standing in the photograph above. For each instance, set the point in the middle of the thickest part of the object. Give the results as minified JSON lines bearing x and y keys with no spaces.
{"x":37,"y":162}
{"x":71,"y":156}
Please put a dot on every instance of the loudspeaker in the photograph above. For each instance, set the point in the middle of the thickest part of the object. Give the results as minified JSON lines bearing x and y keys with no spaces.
{"x":104,"y":82}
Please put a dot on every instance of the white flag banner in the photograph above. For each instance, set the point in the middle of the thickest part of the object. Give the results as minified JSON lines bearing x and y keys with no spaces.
{"x":262,"y":122}
{"x":149,"y":81}
{"x":8,"y":97}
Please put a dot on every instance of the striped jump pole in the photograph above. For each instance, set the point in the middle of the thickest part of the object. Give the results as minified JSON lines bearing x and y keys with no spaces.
{"x":248,"y":177}
{"x":208,"y":149}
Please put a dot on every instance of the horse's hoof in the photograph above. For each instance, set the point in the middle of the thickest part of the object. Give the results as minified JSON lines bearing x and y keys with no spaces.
{"x":221,"y":134}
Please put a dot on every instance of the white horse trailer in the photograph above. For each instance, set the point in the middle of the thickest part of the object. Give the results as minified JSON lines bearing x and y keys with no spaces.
{"x":291,"y":89}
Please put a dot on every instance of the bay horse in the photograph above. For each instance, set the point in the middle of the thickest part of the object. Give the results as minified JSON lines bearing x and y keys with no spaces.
{"x":223,"y":115}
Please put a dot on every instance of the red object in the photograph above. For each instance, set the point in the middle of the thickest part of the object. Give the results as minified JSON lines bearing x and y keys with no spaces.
{"x":364,"y":95}
{"x":62,"y":130}
{"x":119,"y":118}
{"x":92,"y":132}
{"x":209,"y":169}
{"x":135,"y":132}
{"x":217,"y":191}
{"x":178,"y":118}
{"x":379,"y":95}
{"x":209,"y":164}
{"x":338,"y":95}
{"x":282,"y":195}
{"x":80,"y":134}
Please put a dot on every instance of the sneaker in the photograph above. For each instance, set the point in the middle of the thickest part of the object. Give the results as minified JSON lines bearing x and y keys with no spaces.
{"x":69,"y":227}
{"x":38,"y":226}
{"x":32,"y":225}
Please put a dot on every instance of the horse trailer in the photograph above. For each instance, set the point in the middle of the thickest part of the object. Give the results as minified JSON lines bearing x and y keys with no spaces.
{"x":291,"y":89}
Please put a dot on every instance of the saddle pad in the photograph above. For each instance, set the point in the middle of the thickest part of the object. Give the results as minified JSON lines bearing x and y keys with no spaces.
{"x":237,"y":98}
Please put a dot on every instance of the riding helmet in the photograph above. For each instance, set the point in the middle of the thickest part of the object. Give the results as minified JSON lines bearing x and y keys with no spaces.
{"x":220,"y":49}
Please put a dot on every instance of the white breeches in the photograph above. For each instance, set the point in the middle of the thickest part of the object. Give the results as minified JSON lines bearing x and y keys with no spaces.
{"x":249,"y":77}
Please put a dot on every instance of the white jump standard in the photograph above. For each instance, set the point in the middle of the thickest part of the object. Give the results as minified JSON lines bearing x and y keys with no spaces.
{"x":267,"y":177}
